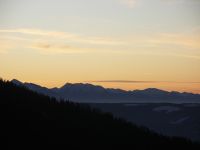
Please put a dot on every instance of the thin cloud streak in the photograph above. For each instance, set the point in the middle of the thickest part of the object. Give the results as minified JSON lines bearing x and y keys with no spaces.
{"x":65,"y":36}
{"x":49,"y":48}
{"x":140,"y":81}
{"x":38,"y":32}
{"x":123,"y":81}
{"x":56,"y":41}
{"x":189,"y":41}
{"x":52,"y":42}
{"x":183,"y":40}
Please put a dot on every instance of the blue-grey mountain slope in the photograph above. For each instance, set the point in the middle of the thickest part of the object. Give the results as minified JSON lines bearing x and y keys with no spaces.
{"x":79,"y":92}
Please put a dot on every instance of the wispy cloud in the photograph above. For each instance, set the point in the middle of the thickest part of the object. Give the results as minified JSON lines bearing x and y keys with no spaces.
{"x":64,"y":36}
{"x":39,"y":32}
{"x":50,"y":42}
{"x":140,"y":81}
{"x":63,"y":42}
{"x":50,"y":48}
{"x":183,"y":40}
{"x":156,"y":39}
{"x":123,"y":81}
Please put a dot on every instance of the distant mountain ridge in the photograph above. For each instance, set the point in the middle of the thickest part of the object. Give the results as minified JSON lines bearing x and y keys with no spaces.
{"x":80,"y":92}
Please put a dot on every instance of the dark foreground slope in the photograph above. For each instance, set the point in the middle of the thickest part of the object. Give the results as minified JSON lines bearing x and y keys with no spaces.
{"x":34,"y":121}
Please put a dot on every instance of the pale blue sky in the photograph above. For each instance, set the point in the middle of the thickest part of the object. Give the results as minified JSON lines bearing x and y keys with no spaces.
{"x":112,"y":17}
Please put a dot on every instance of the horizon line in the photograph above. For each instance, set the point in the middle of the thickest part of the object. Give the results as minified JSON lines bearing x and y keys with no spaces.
{"x":123,"y":81}
{"x":140,"y":81}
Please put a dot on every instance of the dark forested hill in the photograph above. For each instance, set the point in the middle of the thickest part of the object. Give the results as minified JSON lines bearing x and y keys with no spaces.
{"x":34,"y":121}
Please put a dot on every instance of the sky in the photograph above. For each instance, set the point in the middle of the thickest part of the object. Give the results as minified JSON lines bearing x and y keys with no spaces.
{"x":128,"y":44}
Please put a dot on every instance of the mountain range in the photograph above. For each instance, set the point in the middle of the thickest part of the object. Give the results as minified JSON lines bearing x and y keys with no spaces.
{"x":88,"y":93}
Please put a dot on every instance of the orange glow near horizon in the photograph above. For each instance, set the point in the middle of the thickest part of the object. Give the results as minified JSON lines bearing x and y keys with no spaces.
{"x":167,"y":86}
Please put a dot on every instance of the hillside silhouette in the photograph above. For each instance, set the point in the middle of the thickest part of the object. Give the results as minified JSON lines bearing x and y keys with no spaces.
{"x":34,"y":121}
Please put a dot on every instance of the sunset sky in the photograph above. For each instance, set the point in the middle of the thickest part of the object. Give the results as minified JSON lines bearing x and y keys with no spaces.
{"x":128,"y":44}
